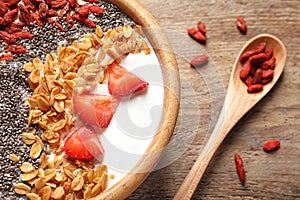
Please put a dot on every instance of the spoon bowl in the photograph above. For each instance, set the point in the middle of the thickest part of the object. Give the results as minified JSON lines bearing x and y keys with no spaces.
{"x":237,"y":103}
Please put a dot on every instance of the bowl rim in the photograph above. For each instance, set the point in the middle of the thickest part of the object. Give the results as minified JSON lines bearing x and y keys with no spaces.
{"x":136,"y":11}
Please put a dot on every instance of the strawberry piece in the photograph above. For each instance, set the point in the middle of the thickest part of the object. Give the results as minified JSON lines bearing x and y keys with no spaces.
{"x":83,"y":144}
{"x":95,"y":109}
{"x":122,"y":83}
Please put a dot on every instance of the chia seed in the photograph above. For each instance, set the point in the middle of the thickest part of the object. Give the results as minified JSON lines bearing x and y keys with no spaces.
{"x":14,"y":89}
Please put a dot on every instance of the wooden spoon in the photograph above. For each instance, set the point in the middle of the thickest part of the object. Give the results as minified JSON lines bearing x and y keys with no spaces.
{"x":237,"y":103}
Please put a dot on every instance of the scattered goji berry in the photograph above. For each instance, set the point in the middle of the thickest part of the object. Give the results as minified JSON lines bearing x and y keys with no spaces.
{"x":271,"y":145}
{"x":199,"y":60}
{"x":202,"y":27}
{"x":241,"y":25}
{"x":11,"y":15}
{"x":240,"y":168}
{"x":3,"y":9}
{"x":8,"y":38}
{"x":96,"y":10}
{"x":255,"y":88}
{"x":7,"y":56}
{"x":196,"y":35}
{"x":23,"y":35}
{"x":83,"y":10}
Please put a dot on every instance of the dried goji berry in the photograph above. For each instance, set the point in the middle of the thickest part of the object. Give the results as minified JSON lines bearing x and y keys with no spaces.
{"x":257,"y":77}
{"x":29,"y":5}
{"x":7,"y":56}
{"x":2,"y":21}
{"x":96,"y":9}
{"x":11,"y":15}
{"x":84,"y":20}
{"x":59,"y":26}
{"x":63,"y":11}
{"x":9,"y":39}
{"x":199,"y":60}
{"x":261,"y":57}
{"x":58,"y":4}
{"x":73,"y":3}
{"x":43,"y":10}
{"x":245,"y":70}
{"x":36,"y":18}
{"x":12,"y":29}
{"x":18,"y":24}
{"x":23,"y":35}
{"x":266,"y":80}
{"x":269,"y":64}
{"x":269,"y":53}
{"x":240,"y":168}
{"x":246,"y":55}
{"x":3,"y":9}
{"x":249,"y":80}
{"x":92,"y":1}
{"x":255,"y":88}
{"x":83,"y":10}
{"x":11,"y":3}
{"x":16,"y":49}
{"x":202,"y":27}
{"x":24,"y":15}
{"x":241,"y":25}
{"x":261,"y":47}
{"x":52,"y":13}
{"x":271,"y":145}
{"x":196,"y":35}
{"x":267,"y":73}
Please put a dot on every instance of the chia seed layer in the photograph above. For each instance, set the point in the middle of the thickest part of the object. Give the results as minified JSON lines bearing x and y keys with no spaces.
{"x":14,"y":88}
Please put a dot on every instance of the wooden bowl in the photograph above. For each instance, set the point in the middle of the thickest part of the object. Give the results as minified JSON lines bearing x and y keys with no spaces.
{"x":163,"y":50}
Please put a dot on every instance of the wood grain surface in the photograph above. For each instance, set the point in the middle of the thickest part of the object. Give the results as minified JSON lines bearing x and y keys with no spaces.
{"x":268,"y":175}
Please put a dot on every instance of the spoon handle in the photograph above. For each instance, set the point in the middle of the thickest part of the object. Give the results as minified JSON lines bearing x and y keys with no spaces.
{"x":194,"y":176}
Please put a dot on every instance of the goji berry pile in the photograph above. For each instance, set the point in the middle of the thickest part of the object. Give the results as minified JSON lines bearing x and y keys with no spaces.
{"x":198,"y":34}
{"x":15,"y":15}
{"x":258,"y":67}
{"x":43,"y":39}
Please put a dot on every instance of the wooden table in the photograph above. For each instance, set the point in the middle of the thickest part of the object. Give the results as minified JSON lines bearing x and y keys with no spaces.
{"x":269,"y":175}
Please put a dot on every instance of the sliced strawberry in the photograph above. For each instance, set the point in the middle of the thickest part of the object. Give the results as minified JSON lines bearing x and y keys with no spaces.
{"x":122,"y":83}
{"x":95,"y":109}
{"x":83,"y":144}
